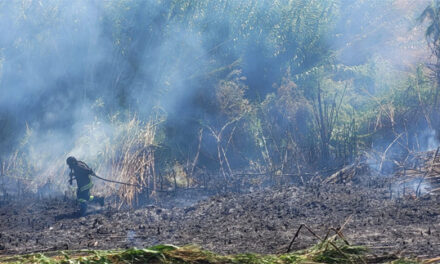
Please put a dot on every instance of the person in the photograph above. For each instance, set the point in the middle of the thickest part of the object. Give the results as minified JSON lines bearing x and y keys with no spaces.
{"x":82,"y":174}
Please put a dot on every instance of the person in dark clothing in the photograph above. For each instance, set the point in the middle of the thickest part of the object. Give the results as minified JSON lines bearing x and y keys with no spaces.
{"x":82,"y":174}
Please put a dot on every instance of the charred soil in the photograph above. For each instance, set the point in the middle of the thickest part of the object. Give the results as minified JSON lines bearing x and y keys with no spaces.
{"x":262,"y":221}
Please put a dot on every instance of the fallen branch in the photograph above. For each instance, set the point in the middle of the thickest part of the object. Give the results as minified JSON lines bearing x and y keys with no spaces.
{"x":386,"y":150}
{"x":315,"y":235}
{"x":432,"y":261}
{"x":297,"y":234}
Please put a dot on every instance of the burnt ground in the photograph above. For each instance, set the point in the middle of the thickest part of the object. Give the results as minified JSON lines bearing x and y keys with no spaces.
{"x":262,"y":221}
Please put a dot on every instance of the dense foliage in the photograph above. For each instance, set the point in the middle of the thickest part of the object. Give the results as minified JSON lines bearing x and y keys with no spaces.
{"x":220,"y":87}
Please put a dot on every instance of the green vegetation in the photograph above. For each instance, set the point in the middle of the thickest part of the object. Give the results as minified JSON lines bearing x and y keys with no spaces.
{"x":321,"y":253}
{"x":178,"y":94}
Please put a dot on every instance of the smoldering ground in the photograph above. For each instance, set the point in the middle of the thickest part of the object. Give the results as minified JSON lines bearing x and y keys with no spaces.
{"x":79,"y":76}
{"x":262,"y":221}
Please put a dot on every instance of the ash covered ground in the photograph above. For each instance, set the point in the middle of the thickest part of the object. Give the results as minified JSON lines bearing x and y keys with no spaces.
{"x":262,"y":221}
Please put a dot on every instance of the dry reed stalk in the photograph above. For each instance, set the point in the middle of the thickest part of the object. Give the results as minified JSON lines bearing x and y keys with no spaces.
{"x":126,"y":154}
{"x":131,"y":160}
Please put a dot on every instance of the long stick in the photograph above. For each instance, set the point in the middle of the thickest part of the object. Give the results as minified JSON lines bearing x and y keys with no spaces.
{"x":386,"y":150}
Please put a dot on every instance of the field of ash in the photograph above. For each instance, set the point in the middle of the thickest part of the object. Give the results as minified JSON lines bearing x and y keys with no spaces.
{"x":262,"y":221}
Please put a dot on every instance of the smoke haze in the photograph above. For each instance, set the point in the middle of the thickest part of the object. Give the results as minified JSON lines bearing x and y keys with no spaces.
{"x":71,"y":71}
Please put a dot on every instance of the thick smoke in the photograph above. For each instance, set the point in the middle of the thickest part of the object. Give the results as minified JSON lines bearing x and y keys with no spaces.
{"x":49,"y":49}
{"x":387,"y":29}
{"x":67,"y":67}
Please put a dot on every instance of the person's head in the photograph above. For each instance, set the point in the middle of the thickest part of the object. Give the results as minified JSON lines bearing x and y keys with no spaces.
{"x":71,"y":161}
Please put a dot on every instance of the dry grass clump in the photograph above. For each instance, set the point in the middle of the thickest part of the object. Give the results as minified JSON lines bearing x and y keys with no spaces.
{"x":129,"y":157}
{"x":120,"y":150}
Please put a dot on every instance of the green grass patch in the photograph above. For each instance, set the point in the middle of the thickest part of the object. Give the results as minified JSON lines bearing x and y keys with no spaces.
{"x":325,"y":252}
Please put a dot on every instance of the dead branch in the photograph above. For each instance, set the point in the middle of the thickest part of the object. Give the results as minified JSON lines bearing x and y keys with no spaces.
{"x":297,"y":234}
{"x":386,"y":150}
{"x":196,"y":158}
{"x":315,"y":235}
{"x":337,"y":176}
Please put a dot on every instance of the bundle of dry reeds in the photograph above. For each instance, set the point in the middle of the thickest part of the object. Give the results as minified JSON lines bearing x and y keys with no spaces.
{"x":123,"y":151}
{"x":130,"y":158}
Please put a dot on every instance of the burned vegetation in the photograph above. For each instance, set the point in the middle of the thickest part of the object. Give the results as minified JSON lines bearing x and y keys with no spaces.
{"x":220,"y":131}
{"x":390,"y":222}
